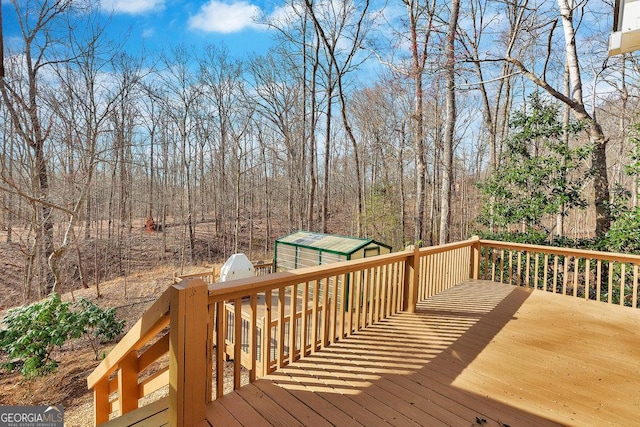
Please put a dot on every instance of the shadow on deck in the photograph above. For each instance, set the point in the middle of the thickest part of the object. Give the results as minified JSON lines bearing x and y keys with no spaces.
{"x":478,"y":354}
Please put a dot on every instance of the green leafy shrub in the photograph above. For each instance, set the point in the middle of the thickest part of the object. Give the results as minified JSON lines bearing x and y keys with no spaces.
{"x":623,"y":235}
{"x":98,"y":325}
{"x":32,"y":333}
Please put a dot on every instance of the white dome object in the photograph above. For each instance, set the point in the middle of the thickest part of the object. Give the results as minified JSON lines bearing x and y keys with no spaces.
{"x":237,"y":266}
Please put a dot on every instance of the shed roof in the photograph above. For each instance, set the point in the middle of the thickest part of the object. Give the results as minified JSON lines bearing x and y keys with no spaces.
{"x":327,"y":242}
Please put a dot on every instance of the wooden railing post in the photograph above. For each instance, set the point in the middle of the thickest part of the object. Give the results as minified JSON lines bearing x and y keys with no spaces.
{"x":101,"y":401}
{"x":474,"y":268}
{"x":128,"y":383}
{"x":411,"y":277}
{"x":187,"y":353}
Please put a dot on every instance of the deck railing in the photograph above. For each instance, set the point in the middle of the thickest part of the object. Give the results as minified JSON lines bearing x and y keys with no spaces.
{"x":263,"y":323}
{"x":592,"y":275}
{"x":211,"y":276}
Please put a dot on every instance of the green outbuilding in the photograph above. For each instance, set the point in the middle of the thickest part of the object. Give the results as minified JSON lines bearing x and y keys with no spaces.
{"x":306,"y":249}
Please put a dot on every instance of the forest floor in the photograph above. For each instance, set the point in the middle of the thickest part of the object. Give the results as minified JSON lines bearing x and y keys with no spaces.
{"x":149,"y":272}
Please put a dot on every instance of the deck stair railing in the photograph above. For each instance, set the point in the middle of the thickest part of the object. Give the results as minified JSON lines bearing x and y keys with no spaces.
{"x":592,"y":275}
{"x":184,"y":339}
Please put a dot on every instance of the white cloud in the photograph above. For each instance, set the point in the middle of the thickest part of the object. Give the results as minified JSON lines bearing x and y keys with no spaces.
{"x":132,"y":7}
{"x":149,"y":32}
{"x":223,"y":17}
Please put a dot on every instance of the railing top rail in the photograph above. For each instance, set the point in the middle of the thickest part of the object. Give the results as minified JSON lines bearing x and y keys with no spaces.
{"x":151,"y":322}
{"x":448,"y":246}
{"x":243,"y":287}
{"x":583,"y":253}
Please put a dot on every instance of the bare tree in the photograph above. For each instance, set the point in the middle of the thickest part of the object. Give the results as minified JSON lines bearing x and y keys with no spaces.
{"x":450,"y":123}
{"x":342,"y":30}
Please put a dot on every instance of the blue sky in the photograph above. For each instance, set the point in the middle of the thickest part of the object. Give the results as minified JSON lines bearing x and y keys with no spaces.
{"x":161,"y":23}
{"x":158,"y":24}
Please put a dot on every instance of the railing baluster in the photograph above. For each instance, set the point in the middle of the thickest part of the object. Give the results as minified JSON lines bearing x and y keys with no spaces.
{"x":343,"y":305}
{"x":536,"y":266}
{"x":565,"y":270}
{"x":527,"y":282}
{"x":293,"y":302}
{"x":576,"y":267}
{"x":314,"y":317}
{"x":510,"y":267}
{"x":324,"y":324}
{"x":253,"y":336}
{"x":623,"y":271}
{"x":304,"y":321}
{"x":545,"y":275}
{"x":220,"y":346}
{"x":358,"y":300}
{"x":599,"y":280}
{"x":502,"y":266}
{"x":634,"y":300}
{"x":610,"y":266}
{"x":267,"y":333}
{"x":587,"y":278}
{"x":333,"y":310}
{"x":237,"y":342}
{"x":377,"y":293}
{"x":281,"y":321}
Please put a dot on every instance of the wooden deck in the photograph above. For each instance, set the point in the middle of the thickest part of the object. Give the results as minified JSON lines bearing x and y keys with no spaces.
{"x":480,"y":351}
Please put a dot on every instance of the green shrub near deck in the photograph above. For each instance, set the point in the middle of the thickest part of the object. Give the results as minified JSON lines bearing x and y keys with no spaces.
{"x":30,"y":334}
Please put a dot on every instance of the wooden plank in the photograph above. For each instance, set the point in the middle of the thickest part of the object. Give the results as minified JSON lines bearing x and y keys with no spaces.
{"x":217,"y":415}
{"x":304,"y":336}
{"x":598,"y":280}
{"x":128,"y":383}
{"x":393,"y":409}
{"x":293,"y":330}
{"x":635,"y":287}
{"x":536,"y":268}
{"x":587,"y":279}
{"x":295,"y":407}
{"x":295,"y":385}
{"x":101,"y":405}
{"x":333,"y":310}
{"x":267,"y":333}
{"x":357,"y":298}
{"x":154,"y":352}
{"x":221,"y":314}
{"x":324,"y":323}
{"x":237,"y":342}
{"x":281,"y":316}
{"x":266,"y":407}
{"x":145,"y":413}
{"x":242,"y":411}
{"x":154,"y":382}
{"x":253,"y":337}
{"x":357,"y":406}
{"x":623,"y":271}
{"x":314,"y":316}
{"x":610,"y":283}
{"x":187,"y":354}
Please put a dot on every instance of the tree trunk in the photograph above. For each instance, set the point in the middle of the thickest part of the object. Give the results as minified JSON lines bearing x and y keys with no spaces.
{"x":449,"y":129}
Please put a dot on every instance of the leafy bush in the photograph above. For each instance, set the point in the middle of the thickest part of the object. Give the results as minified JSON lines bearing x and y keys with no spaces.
{"x":33,"y":332}
{"x":623,"y":235}
{"x":98,"y":325}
